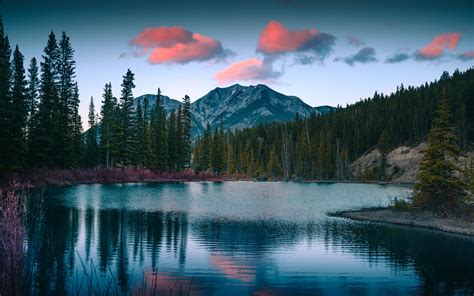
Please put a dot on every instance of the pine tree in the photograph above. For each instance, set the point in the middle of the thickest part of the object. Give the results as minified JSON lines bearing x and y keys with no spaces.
{"x":127,"y":120}
{"x":439,"y":186}
{"x":6,"y":148}
{"x":109,"y":104}
{"x":179,"y":139}
{"x":32,"y":93}
{"x":76,"y":121}
{"x":91,"y":144}
{"x":172,"y":141}
{"x":140,"y":131}
{"x":43,"y":138}
{"x":217,"y":152}
{"x":186,"y":133}
{"x":19,"y":111}
{"x":68,"y":106}
{"x":160,"y":137}
{"x":204,"y":159}
{"x":384,"y":149}
{"x":274,"y":167}
{"x":149,"y":159}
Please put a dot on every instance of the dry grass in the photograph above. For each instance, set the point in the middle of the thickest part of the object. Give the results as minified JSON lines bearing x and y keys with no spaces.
{"x":12,"y":235}
{"x":40,"y":177}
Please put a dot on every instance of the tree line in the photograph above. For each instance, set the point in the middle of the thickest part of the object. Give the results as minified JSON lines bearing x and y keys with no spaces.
{"x":40,"y":125}
{"x":130,"y":133}
{"x":323,"y":146}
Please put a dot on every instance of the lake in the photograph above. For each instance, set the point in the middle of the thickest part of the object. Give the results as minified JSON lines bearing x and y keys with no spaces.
{"x":240,"y":238}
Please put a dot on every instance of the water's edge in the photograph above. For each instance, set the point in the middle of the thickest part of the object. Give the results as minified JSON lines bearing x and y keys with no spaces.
{"x":420,"y":219}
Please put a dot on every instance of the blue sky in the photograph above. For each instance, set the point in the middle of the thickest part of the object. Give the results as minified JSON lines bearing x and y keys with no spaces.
{"x":109,"y":38}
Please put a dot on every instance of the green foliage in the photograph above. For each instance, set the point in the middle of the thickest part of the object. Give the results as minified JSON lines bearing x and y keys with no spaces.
{"x":323,"y":146}
{"x":128,"y":145}
{"x":440,"y":186}
{"x":6,"y":148}
{"x":401,"y":204}
{"x":92,"y":150}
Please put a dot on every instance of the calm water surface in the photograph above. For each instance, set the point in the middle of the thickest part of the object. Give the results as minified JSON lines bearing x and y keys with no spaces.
{"x":241,"y":238}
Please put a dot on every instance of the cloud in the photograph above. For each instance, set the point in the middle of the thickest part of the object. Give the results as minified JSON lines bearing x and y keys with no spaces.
{"x":309,"y":44}
{"x":253,"y":69}
{"x":437,"y":47}
{"x":466,"y":56}
{"x":168,"y":45}
{"x":363,"y":56}
{"x":354,"y":41}
{"x":397,"y":57}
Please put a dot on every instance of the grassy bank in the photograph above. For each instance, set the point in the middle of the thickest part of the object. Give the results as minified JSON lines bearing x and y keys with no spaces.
{"x":64,"y":177}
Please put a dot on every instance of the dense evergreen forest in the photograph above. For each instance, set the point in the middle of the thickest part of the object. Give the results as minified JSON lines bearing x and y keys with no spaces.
{"x":323,"y":146}
{"x":40,"y":126}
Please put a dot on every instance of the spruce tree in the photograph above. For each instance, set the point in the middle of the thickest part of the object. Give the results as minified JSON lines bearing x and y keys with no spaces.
{"x":217,"y":152}
{"x":274,"y":166}
{"x":43,"y":138}
{"x":384,"y":149}
{"x":19,"y":111}
{"x":32,"y":94}
{"x":6,"y":148}
{"x":204,"y":159}
{"x":186,"y":133}
{"x":109,"y":104}
{"x":172,"y":141}
{"x":67,"y":105}
{"x":76,"y":121}
{"x":179,"y":139}
{"x":129,"y":143}
{"x":160,"y":137}
{"x":91,"y":142}
{"x":140,"y":132}
{"x":440,"y":187}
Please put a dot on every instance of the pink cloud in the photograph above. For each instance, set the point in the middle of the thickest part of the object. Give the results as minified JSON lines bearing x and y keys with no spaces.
{"x":275,"y":38}
{"x":251,"y":69}
{"x":177,"y":45}
{"x":309,"y":44}
{"x":439,"y":44}
{"x":467,"y":55}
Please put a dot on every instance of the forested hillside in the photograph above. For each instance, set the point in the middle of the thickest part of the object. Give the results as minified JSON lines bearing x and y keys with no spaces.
{"x":323,"y":146}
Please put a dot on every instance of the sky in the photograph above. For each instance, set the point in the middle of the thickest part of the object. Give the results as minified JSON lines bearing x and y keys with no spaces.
{"x":325,"y":53}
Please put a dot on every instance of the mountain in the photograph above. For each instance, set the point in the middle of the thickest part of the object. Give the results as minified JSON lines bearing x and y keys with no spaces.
{"x":325,"y":109}
{"x":238,"y":107}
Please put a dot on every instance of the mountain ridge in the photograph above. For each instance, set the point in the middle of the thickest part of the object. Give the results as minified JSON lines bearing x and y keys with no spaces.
{"x":237,"y":107}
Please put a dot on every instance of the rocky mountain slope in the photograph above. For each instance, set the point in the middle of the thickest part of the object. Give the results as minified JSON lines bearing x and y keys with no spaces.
{"x":403,"y":163}
{"x":237,"y":107}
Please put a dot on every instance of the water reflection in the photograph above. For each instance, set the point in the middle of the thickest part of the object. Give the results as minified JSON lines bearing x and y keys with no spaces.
{"x":170,"y":250}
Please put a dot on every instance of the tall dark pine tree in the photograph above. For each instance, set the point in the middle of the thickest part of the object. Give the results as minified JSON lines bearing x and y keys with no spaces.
{"x":76,"y":121}
{"x":19,"y":111}
{"x":6,"y":147}
{"x":172,"y":141}
{"x":129,"y":141}
{"x":140,"y":132}
{"x":32,"y":95}
{"x":439,"y":186}
{"x":204,"y":160}
{"x":107,"y":113}
{"x":179,"y":139}
{"x":161,"y":142}
{"x":43,"y":138}
{"x":91,"y":143}
{"x":186,"y":131}
{"x":69,"y":110}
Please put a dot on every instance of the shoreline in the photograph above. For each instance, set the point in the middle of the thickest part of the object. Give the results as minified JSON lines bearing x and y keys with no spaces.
{"x":69,"y":177}
{"x":413,"y":219}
